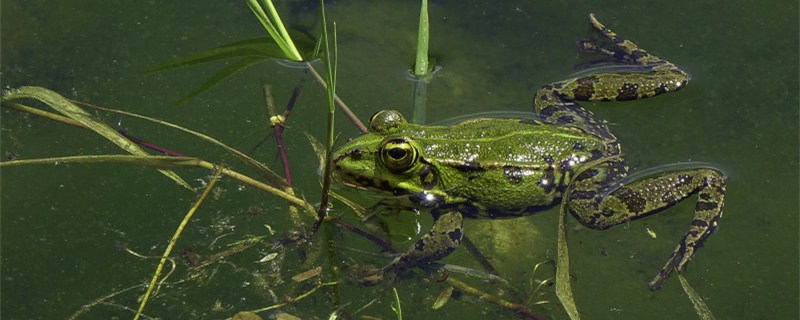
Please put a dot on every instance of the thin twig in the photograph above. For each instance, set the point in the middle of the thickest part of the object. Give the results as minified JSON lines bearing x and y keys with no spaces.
{"x":479,"y":256}
{"x":378,"y":241}
{"x":149,"y":145}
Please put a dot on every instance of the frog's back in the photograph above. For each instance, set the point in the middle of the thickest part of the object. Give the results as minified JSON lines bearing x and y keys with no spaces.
{"x":506,"y":167}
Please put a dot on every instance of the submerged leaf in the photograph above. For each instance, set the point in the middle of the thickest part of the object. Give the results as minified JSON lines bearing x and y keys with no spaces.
{"x":563,"y":287}
{"x":303,"y":276}
{"x":443,"y":298}
{"x":246,"y":315}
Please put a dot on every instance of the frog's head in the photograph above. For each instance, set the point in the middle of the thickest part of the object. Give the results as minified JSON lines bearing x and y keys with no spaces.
{"x":386,"y":159}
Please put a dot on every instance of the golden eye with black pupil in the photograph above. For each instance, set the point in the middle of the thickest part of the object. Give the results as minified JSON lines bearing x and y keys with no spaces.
{"x":398,"y":155}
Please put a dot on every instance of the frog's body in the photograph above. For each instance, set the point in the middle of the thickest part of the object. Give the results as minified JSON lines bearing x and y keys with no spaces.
{"x":526,"y":160}
{"x":494,"y":167}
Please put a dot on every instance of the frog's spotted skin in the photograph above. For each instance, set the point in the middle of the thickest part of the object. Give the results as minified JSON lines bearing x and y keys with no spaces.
{"x":495,"y":168}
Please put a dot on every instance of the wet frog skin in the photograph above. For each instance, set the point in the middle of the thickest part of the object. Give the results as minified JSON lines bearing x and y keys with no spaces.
{"x":500,"y":168}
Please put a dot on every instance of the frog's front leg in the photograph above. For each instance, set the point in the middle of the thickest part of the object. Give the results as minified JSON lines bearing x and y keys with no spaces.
{"x":600,"y":204}
{"x":444,"y":237}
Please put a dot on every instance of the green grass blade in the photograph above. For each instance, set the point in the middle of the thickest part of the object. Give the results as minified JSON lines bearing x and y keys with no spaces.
{"x":329,"y":62}
{"x":67,"y":108}
{"x":396,"y":306}
{"x":703,"y":312}
{"x":275,"y":28}
{"x":221,"y":75}
{"x":262,"y":17}
{"x":150,"y":161}
{"x":421,"y":69}
{"x":167,"y":162}
{"x":563,"y":286}
{"x":273,"y":14}
{"x":274,"y":179}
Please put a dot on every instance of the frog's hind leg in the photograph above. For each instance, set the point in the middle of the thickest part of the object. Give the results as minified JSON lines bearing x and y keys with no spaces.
{"x":642,"y":75}
{"x":600,"y":201}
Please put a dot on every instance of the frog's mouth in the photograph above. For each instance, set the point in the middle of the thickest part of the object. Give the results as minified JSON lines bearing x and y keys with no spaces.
{"x":378,"y":186}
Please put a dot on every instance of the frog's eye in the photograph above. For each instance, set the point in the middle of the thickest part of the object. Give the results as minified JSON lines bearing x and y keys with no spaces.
{"x":398,"y":155}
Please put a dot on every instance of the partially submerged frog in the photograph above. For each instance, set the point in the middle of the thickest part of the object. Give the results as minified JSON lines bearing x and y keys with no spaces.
{"x":501,"y":167}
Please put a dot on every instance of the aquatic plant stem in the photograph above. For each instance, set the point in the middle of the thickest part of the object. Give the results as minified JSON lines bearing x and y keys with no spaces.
{"x":422,"y":70}
{"x":276,"y":122}
{"x":168,"y":250}
{"x":420,"y":105}
{"x":329,"y":61}
{"x":168,"y":162}
{"x":44,"y":114}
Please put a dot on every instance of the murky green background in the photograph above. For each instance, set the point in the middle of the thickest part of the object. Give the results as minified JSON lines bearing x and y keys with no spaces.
{"x":62,"y":226}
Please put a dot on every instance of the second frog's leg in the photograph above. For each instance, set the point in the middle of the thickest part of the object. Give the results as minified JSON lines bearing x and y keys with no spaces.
{"x":637,"y":75}
{"x":444,"y":237}
{"x":600,"y":202}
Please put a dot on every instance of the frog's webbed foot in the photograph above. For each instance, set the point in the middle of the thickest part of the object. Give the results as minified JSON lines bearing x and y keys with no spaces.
{"x":444,"y":237}
{"x":621,"y":49}
{"x":600,"y":203}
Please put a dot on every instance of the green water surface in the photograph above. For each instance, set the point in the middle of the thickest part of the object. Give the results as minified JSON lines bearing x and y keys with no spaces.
{"x":62,"y":227}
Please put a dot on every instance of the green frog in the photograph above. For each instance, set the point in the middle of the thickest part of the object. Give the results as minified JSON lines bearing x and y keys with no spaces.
{"x":510,"y":167}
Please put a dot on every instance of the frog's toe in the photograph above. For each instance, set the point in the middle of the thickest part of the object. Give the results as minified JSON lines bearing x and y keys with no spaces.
{"x":658,"y":280}
{"x":588,"y":45}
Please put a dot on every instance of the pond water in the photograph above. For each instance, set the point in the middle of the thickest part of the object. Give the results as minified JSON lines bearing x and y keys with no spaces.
{"x":63,"y":226}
